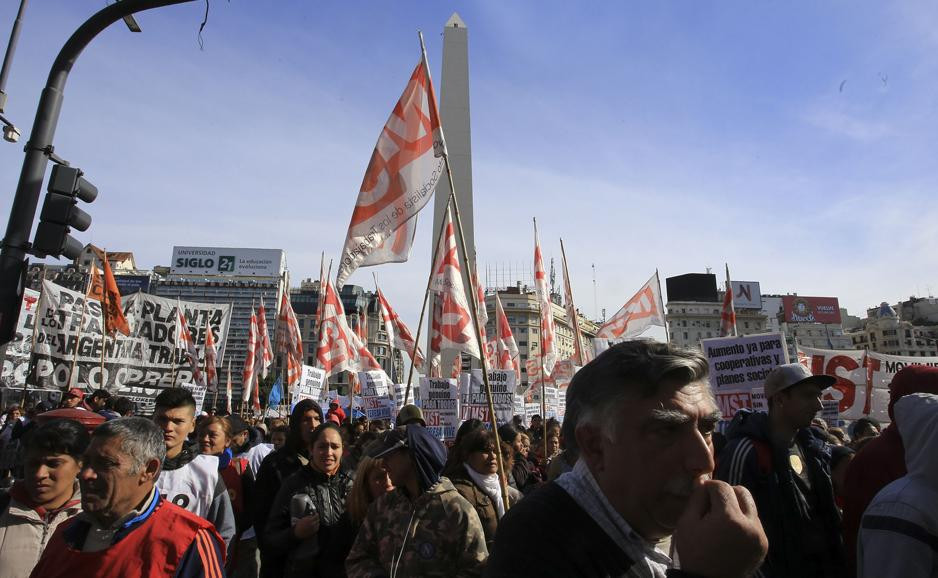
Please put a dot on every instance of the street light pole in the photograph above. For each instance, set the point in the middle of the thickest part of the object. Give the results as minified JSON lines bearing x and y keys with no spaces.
{"x":8,"y":57}
{"x":38,"y":150}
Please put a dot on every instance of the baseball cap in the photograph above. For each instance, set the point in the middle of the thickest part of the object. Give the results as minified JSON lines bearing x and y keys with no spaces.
{"x":792,"y":374}
{"x":75,"y":392}
{"x":410,"y":413}
{"x":389,"y":441}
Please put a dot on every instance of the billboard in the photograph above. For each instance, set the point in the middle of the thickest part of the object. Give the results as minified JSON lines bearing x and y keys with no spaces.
{"x":746,"y":295}
{"x":799,"y":309}
{"x":129,"y":284}
{"x":696,"y":287}
{"x":225,"y":261}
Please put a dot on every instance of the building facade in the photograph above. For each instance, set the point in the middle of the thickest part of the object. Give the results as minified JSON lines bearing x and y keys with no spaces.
{"x":690,"y":322}
{"x":884,"y":331}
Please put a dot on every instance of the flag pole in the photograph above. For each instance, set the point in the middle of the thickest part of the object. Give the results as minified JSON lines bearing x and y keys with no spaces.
{"x":81,"y":325}
{"x":729,"y":287}
{"x":472,"y":303}
{"x":33,"y":368}
{"x":426,"y":293}
{"x":667,"y":330}
{"x":175,"y":342}
{"x":103,"y":320}
{"x":540,"y":352}
{"x":322,"y":307}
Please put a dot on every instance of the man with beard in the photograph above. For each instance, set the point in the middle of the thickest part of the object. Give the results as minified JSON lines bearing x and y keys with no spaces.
{"x":190,"y":480}
{"x":127,"y":528}
{"x":641,"y":417}
{"x":785,"y":463}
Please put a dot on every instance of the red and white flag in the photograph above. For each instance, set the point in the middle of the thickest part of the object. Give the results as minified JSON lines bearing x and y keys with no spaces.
{"x":436,"y":337}
{"x":398,"y":334}
{"x":478,"y":293}
{"x":455,"y":319}
{"x":211,"y":359}
{"x":728,"y":314}
{"x":248,"y":374}
{"x":548,"y":351}
{"x":401,"y":176}
{"x":580,"y":355}
{"x":264,"y":355}
{"x":340,"y":349}
{"x":290,"y":340}
{"x":507,"y":355}
{"x":228,"y":389}
{"x":456,"y":369}
{"x":639,"y":313}
{"x":185,"y":341}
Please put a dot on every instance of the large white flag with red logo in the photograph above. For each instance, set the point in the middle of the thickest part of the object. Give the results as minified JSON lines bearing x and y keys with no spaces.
{"x":264,"y":355}
{"x":248,"y":374}
{"x":580,"y":355}
{"x":548,"y":351}
{"x":728,"y":314}
{"x":478,"y":293}
{"x":401,"y":176}
{"x":185,"y":341}
{"x":289,"y":340}
{"x":639,"y":313}
{"x":211,"y":360}
{"x":455,"y":319}
{"x":398,"y":334}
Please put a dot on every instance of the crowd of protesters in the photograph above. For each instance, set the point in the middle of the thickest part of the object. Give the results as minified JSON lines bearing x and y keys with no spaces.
{"x":637,"y":481}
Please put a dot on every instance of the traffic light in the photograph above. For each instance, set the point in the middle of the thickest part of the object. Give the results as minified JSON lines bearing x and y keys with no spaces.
{"x":60,"y":213}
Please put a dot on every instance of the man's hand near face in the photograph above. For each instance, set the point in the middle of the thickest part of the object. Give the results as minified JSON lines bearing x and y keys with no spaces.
{"x":720,"y":534}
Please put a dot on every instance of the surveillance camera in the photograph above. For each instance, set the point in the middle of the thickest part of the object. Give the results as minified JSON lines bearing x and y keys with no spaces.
{"x":11,"y":133}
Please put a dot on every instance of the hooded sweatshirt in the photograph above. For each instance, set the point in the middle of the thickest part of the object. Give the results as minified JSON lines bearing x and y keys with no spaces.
{"x":881,"y":459}
{"x":26,"y":528}
{"x":899,"y":530}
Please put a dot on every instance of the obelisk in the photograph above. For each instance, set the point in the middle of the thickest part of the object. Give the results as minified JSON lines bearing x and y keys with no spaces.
{"x":454,"y":115}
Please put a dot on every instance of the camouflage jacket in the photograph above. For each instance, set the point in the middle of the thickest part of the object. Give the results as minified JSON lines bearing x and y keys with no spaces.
{"x":438,"y":534}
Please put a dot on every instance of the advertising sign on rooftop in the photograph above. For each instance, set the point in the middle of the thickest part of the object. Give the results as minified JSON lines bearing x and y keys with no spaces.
{"x":212,"y":261}
{"x":800,"y":309}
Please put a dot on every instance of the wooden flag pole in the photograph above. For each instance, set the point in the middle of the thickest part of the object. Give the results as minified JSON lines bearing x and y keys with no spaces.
{"x":667,"y":330}
{"x":172,"y":361}
{"x":426,"y":295}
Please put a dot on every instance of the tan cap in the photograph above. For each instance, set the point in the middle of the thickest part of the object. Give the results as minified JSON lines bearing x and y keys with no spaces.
{"x":792,"y":374}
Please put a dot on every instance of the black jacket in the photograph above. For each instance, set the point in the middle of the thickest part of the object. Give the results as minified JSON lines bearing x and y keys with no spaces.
{"x":336,"y":532}
{"x":751,"y":460}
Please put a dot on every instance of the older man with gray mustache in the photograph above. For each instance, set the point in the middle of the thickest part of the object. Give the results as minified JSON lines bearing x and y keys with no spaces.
{"x":641,"y":416}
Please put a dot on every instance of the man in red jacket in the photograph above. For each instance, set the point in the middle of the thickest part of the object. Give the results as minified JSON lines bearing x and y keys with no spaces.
{"x":127,"y":529}
{"x":882,"y":459}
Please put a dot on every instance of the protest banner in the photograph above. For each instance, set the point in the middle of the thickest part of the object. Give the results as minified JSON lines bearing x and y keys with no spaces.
{"x":739,"y":364}
{"x":375,"y":393}
{"x":310,"y":385}
{"x":144,"y":360}
{"x":198,"y":393}
{"x":848,"y":366}
{"x":881,"y":368}
{"x":15,"y":354}
{"x":830,"y":412}
{"x":473,"y":399}
{"x":439,"y":401}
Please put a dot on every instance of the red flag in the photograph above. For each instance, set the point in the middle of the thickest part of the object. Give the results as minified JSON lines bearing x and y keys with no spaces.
{"x":548,"y":346}
{"x":507,"y":355}
{"x":290,"y":340}
{"x":455,"y":319}
{"x":398,"y":334}
{"x":264,"y":356}
{"x":211,"y":359}
{"x":249,"y":375}
{"x":340,"y":349}
{"x":187,"y":343}
{"x":401,"y":176}
{"x":114,"y":319}
{"x":728,"y":314}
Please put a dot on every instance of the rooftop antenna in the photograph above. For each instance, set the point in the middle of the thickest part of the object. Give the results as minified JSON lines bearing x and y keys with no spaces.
{"x":553,"y":277}
{"x":595,"y":300}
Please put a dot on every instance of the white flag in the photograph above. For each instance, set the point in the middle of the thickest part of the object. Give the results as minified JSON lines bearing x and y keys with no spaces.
{"x":640,"y":312}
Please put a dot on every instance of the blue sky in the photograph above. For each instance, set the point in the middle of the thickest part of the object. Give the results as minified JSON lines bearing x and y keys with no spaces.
{"x":793,"y":140}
